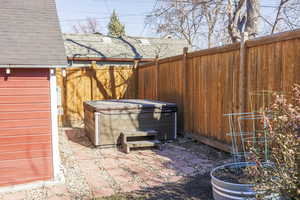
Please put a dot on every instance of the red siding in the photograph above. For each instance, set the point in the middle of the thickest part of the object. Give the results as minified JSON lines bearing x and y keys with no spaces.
{"x":25,"y":126}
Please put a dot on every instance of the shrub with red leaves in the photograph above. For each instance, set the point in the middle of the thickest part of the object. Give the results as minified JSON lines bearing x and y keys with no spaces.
{"x":283,"y":126}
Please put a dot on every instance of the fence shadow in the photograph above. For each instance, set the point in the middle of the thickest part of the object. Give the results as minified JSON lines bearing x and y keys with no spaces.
{"x":195,"y":187}
{"x":95,"y":83}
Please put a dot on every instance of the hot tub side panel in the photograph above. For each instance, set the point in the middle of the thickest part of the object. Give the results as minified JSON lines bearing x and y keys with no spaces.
{"x":110,"y":126}
{"x":90,"y":125}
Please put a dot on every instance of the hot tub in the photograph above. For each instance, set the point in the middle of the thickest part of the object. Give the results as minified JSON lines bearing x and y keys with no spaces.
{"x":105,"y":120}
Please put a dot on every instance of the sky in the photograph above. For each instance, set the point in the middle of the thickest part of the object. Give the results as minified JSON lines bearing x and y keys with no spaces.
{"x":131,"y":13}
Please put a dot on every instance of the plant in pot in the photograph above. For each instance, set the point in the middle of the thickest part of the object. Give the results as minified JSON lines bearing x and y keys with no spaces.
{"x":283,"y":117}
{"x":270,"y":166}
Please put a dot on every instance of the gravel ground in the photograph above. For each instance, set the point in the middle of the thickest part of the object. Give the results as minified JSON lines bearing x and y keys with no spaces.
{"x":196,"y":185}
{"x":74,"y":180}
{"x":191,"y":188}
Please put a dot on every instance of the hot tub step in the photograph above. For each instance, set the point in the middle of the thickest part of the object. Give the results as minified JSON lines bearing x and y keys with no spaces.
{"x":137,"y":144}
{"x":139,"y":138}
{"x":140,"y":133}
{"x":145,"y":143}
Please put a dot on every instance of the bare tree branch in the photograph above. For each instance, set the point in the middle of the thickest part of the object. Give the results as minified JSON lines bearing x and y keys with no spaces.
{"x":277,"y":19}
{"x":215,"y":21}
{"x":91,"y":25}
{"x":253,"y":13}
{"x":285,"y":17}
{"x":187,"y":19}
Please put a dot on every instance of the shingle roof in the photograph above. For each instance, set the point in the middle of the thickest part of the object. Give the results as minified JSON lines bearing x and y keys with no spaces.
{"x":30,"y":33}
{"x":98,"y":45}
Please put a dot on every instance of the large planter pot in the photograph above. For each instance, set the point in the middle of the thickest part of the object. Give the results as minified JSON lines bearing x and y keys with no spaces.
{"x":223,"y":190}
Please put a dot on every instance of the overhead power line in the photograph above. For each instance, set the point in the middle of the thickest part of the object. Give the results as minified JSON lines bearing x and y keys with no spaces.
{"x":220,"y":3}
{"x":108,"y":17}
{"x":145,"y":24}
{"x":155,"y":5}
{"x":107,"y":7}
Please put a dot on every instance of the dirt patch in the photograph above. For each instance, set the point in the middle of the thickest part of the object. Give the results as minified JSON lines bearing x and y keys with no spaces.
{"x":197,"y":186}
{"x":202,"y":150}
{"x":231,"y":174}
{"x":180,"y":170}
{"x":190,"y":188}
{"x":120,"y":197}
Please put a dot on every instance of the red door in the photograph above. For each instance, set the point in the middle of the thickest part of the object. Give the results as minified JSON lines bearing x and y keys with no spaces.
{"x":25,"y":126}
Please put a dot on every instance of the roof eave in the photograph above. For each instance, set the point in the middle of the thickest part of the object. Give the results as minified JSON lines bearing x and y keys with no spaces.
{"x":33,"y":66}
{"x":110,"y":59}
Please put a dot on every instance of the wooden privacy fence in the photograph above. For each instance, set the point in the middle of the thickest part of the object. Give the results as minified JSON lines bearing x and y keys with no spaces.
{"x":92,"y":83}
{"x":209,"y":83}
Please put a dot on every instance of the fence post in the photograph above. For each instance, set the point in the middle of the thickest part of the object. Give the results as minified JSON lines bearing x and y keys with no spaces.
{"x":157,"y":76}
{"x":92,"y":70}
{"x":242,"y":77}
{"x":65,"y":121}
{"x":184,"y":87}
{"x":136,"y":75}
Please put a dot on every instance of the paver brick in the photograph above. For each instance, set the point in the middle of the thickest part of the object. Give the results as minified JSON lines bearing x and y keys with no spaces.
{"x":103,"y":192}
{"x":20,"y":195}
{"x":109,"y":171}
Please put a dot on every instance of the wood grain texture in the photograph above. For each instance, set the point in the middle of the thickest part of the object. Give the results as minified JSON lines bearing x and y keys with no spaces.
{"x":24,"y":99}
{"x":147,"y":83}
{"x":26,"y":170}
{"x":25,"y":155}
{"x":24,"y":84}
{"x":38,"y":138}
{"x":212,"y":82}
{"x":36,"y":114}
{"x":25,"y":126}
{"x":18,"y":131}
{"x":24,"y":107}
{"x":93,"y":83}
{"x":24,"y":146}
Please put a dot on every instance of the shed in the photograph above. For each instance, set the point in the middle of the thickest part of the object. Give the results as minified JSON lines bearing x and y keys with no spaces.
{"x":31,"y":49}
{"x":81,"y":49}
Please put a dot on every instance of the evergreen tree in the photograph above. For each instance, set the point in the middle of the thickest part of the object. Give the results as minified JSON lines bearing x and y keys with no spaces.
{"x":115,"y":28}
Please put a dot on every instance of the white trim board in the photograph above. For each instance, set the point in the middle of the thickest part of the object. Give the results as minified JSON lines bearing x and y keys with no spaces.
{"x":97,"y":135}
{"x":57,"y":174}
{"x":32,"y":66}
